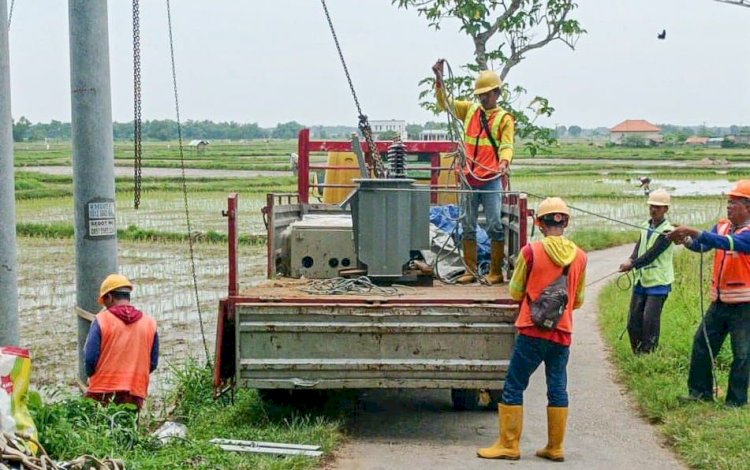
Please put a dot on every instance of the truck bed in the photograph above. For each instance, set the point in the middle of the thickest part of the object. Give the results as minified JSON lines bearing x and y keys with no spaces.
{"x":440,"y":336}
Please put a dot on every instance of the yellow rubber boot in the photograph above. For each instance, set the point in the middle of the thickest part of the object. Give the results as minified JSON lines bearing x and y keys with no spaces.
{"x":508,"y":444}
{"x":557,"y":419}
{"x":496,"y":264}
{"x":470,"y":259}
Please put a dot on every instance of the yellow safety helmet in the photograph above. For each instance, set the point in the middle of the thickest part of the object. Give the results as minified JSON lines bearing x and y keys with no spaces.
{"x":486,"y":81}
{"x":552,"y":205}
{"x":741,"y":189}
{"x":112,"y":282}
{"x":660,"y":197}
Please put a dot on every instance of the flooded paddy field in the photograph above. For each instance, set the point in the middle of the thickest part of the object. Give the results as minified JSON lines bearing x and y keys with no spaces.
{"x":163,"y":287}
{"x":161,"y":211}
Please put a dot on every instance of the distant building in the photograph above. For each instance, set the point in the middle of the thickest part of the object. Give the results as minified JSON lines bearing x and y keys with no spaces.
{"x":635,"y":127}
{"x":715,"y":142}
{"x":434,"y":134}
{"x":199,"y":145}
{"x":393,"y":125}
{"x":695,"y":140}
{"x":739,"y":139}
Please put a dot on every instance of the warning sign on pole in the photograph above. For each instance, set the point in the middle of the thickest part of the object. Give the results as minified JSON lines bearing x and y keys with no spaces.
{"x":100,"y":219}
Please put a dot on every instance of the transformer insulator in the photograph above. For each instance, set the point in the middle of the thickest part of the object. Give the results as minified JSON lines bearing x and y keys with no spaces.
{"x":397,"y":159}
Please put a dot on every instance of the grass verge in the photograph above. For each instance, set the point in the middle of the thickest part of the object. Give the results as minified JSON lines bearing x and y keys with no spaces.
{"x":75,"y":426}
{"x":599,"y":239}
{"x":706,"y":435}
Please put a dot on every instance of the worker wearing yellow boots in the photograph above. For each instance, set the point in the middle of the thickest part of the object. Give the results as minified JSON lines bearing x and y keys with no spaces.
{"x":548,"y":280}
{"x":489,"y":134}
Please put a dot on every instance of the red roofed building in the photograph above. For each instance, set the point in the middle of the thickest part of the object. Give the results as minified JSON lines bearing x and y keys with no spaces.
{"x":635,"y":127}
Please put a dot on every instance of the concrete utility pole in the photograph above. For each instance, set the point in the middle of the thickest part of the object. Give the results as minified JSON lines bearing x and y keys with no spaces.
{"x":8,"y":261}
{"x":93,"y":157}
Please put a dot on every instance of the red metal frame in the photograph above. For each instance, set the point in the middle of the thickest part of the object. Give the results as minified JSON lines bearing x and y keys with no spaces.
{"x":305,"y":146}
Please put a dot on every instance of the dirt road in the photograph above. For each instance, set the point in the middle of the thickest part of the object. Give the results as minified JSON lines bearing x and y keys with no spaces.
{"x":417,"y":430}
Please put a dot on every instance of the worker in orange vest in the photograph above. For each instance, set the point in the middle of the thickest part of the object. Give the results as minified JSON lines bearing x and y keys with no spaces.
{"x":729,"y":312}
{"x":548,"y":280}
{"x":488,"y":141}
{"x":122,"y":347}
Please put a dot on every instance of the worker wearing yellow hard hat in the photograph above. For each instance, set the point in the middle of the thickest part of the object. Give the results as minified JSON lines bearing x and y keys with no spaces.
{"x":729,"y":311}
{"x":651,"y":262}
{"x":548,"y":281}
{"x":122,"y":347}
{"x":488,"y":142}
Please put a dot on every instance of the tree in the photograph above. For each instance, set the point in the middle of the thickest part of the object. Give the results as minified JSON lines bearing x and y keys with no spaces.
{"x":21,"y":129}
{"x":388,"y":135}
{"x":287,"y":130}
{"x":413,"y":131}
{"x":504,"y":32}
{"x":574,"y":130}
{"x":634,"y":140}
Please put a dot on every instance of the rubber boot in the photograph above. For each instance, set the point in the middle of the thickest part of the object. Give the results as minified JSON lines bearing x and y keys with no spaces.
{"x":496,"y":264}
{"x":508,"y":444}
{"x":557,"y":418}
{"x":470,"y":259}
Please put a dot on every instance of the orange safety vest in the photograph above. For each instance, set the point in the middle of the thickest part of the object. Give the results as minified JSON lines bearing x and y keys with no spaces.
{"x":542,"y":273}
{"x":125,"y":355}
{"x":731,"y":282}
{"x":482,"y":161}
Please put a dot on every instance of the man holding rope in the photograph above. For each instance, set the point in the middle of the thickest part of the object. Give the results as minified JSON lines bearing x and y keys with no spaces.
{"x":488,"y":141}
{"x":729,"y":312}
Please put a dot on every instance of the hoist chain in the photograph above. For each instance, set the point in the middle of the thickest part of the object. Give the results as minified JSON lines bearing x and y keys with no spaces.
{"x":10,"y":12}
{"x":137,"y":130}
{"x":364,"y":124}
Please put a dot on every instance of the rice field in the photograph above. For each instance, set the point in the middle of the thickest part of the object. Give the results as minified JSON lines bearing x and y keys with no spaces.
{"x":163,"y":283}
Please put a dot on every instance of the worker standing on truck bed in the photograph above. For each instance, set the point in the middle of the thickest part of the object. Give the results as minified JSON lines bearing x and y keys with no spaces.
{"x":489,"y":133}
{"x":122,"y":347}
{"x":549,"y":281}
{"x":729,"y":312}
{"x":652,"y":261}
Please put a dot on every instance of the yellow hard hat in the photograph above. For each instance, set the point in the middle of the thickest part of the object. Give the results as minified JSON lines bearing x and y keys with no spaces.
{"x":486,"y":81}
{"x":112,"y":282}
{"x":741,"y":189}
{"x":552,"y":205}
{"x":660,"y":197}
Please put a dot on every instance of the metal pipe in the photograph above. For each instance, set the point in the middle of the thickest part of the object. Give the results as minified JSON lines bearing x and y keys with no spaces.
{"x":93,"y":156}
{"x":8,"y":260}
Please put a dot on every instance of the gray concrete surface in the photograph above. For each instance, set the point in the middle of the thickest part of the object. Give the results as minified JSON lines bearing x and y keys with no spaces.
{"x":417,"y":430}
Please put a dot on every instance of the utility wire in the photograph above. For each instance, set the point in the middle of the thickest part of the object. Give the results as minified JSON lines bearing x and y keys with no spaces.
{"x":184,"y":186}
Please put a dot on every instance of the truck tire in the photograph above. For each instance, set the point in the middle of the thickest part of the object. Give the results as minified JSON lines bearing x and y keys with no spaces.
{"x":470,"y":399}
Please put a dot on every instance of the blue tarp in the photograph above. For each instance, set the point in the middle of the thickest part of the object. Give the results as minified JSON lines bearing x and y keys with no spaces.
{"x":445,"y":218}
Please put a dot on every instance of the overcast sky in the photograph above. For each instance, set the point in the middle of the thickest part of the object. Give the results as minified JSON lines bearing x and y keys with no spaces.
{"x":274,"y":61}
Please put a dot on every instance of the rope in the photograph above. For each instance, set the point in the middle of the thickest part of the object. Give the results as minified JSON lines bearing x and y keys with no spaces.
{"x":715,"y":379}
{"x":85,"y":314}
{"x":184,"y":187}
{"x":361,"y":285}
{"x":16,"y":450}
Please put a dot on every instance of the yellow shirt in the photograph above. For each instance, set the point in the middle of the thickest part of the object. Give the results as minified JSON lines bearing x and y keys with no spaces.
{"x":460,"y":108}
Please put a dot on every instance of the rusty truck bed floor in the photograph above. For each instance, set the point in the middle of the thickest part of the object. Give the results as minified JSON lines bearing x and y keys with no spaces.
{"x":290,"y":290}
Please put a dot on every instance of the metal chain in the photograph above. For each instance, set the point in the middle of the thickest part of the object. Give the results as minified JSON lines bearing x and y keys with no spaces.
{"x":184,"y":185}
{"x":137,"y":129}
{"x":10,"y":12}
{"x":364,"y":124}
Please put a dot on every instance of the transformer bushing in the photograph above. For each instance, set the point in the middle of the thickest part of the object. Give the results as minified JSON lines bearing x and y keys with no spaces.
{"x":390,"y":219}
{"x":397,"y":159}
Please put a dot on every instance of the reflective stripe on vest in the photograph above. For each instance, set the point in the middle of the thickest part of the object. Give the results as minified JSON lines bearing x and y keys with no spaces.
{"x":660,"y":272}
{"x":731,"y":280}
{"x":543,"y":272}
{"x":124,"y":355}
{"x":481,"y":158}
